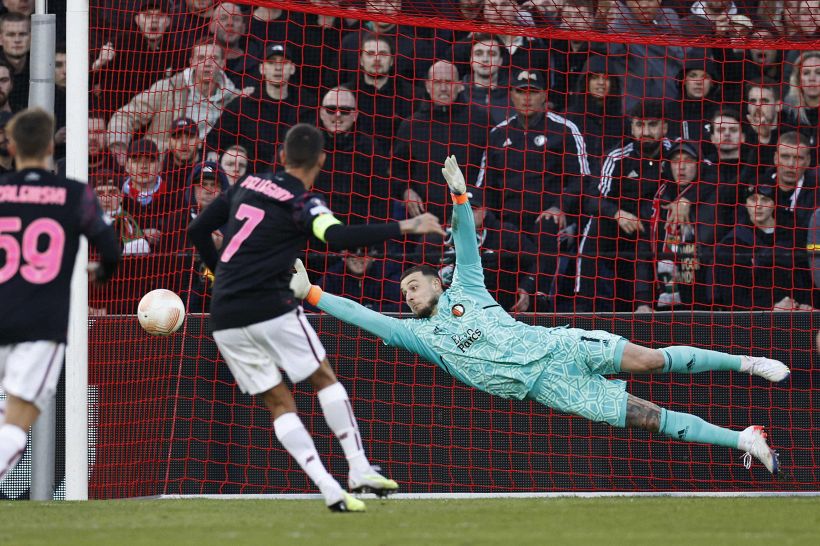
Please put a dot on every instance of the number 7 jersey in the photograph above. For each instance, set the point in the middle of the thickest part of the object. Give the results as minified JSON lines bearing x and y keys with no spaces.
{"x":42,"y":217}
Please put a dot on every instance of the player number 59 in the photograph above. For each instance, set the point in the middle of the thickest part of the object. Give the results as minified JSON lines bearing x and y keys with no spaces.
{"x":35,"y":266}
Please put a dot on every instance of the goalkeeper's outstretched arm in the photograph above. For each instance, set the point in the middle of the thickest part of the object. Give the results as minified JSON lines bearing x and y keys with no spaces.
{"x":469,"y":270}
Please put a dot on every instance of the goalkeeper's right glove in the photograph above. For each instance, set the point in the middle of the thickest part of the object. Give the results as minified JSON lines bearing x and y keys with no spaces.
{"x":454,"y":177}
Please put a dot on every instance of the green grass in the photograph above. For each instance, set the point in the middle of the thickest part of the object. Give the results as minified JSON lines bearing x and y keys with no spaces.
{"x":558,"y":521}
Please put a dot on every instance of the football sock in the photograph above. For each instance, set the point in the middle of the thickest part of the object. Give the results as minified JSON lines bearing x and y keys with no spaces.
{"x":293,"y":435}
{"x":683,"y":359}
{"x":690,"y":428}
{"x":12,"y":445}
{"x":339,"y":416}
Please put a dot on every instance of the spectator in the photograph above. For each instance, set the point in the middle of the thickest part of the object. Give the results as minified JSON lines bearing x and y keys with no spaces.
{"x":801,"y":20}
{"x":517,"y":52}
{"x":596,"y":108}
{"x":762,"y":124}
{"x":281,"y":26}
{"x":533,"y":171}
{"x":711,"y":19}
{"x":699,"y":98}
{"x":366,"y":279}
{"x":440,"y":127}
{"x":136,"y":57}
{"x":234,"y":163}
{"x":6,"y":86}
{"x":414,"y":48}
{"x":229,"y":29}
{"x":147,"y":198}
{"x":508,"y":257}
{"x":59,"y":100}
{"x":572,"y":56}
{"x":100,"y":158}
{"x":6,"y":159}
{"x":795,"y":183}
{"x":649,"y":70}
{"x":801,"y":110}
{"x":354,"y":179}
{"x":481,"y":84}
{"x":132,"y":239}
{"x":23,"y":7}
{"x":757,"y":264}
{"x":199,"y":92}
{"x":614,"y":270}
{"x":813,"y":248}
{"x":15,"y":39}
{"x":184,"y":152}
{"x":258,"y":122}
{"x":205,"y":183}
{"x":192,"y":18}
{"x":383,"y":100}
{"x":683,"y":231}
{"x":322,"y":44}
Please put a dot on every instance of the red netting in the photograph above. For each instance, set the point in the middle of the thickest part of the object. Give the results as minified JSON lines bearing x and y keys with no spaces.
{"x":624,"y":157}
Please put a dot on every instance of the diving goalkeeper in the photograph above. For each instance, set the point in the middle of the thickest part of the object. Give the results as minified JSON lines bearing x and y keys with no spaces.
{"x":465,"y":332}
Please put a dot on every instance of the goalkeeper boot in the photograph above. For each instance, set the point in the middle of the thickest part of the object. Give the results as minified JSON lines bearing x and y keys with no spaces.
{"x":371,"y":482}
{"x":348,"y":503}
{"x":770,"y":369}
{"x":753,"y":441}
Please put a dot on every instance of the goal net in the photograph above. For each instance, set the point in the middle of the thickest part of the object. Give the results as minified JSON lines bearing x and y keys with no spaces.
{"x":649,"y":170}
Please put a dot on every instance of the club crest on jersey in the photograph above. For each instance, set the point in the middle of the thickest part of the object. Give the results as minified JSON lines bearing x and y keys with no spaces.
{"x":457,"y":310}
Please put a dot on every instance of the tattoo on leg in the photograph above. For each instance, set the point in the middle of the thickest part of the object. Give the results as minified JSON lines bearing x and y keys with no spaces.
{"x":642,"y":414}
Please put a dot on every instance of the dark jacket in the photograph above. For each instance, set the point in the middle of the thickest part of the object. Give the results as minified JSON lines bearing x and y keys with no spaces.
{"x":381,"y":111}
{"x":378,"y":289}
{"x":424,"y":141}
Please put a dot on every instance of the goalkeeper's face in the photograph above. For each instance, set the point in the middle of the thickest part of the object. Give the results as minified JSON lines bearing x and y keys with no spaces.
{"x":421,"y":292}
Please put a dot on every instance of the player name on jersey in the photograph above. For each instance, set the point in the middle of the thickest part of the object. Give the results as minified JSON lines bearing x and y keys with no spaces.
{"x":267,"y":187}
{"x":40,"y":195}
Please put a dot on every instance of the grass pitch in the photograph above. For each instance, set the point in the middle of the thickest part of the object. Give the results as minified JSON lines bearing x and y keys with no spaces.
{"x":597,"y":522}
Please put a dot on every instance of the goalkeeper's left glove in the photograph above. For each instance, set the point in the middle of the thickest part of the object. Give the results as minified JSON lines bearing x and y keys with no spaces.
{"x":300,"y":282}
{"x":454,"y":177}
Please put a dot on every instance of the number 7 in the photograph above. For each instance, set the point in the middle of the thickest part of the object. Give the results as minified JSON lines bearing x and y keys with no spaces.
{"x":253,"y":216}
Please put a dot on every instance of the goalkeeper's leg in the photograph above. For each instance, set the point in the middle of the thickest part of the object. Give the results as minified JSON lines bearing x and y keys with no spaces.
{"x":690,"y":428}
{"x":339,"y":415}
{"x":685,"y":359}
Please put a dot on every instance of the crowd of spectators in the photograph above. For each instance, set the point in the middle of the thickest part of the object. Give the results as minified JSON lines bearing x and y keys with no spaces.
{"x":612,"y":176}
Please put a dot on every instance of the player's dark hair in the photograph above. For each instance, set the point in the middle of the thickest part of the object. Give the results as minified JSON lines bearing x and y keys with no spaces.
{"x":426,"y":270}
{"x":303,"y":146}
{"x":32,"y":131}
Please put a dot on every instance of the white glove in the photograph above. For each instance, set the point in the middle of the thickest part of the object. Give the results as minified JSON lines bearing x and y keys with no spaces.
{"x":300,"y":283}
{"x":453,"y":175}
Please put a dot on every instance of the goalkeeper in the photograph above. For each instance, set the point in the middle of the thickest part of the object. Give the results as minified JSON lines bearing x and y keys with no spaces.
{"x":465,"y":332}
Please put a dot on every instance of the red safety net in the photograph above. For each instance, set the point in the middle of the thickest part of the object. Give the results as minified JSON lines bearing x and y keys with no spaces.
{"x":653,"y":165}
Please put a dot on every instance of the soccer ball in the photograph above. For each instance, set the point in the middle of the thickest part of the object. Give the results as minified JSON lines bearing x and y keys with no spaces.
{"x":161,"y":312}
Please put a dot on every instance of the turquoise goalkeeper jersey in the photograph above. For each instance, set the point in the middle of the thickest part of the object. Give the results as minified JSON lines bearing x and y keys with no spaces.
{"x":471,"y":336}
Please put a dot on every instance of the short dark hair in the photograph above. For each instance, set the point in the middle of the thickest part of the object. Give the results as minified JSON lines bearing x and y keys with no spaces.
{"x":426,"y":270}
{"x":303,"y":146}
{"x":375,"y":37}
{"x":14,"y":17}
{"x":202,"y":42}
{"x":794,"y":138}
{"x":765,"y":83}
{"x":726,"y":112}
{"x":32,"y":131}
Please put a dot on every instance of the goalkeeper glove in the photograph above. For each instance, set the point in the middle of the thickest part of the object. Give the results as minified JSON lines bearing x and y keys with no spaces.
{"x":299,"y":282}
{"x":454,"y":177}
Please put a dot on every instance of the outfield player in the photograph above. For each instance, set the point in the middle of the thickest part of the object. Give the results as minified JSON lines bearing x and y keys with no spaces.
{"x":465,"y":332}
{"x":258,"y":325}
{"x":42,"y":217}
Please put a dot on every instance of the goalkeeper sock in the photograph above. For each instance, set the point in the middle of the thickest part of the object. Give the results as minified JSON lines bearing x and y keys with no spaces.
{"x":339,"y":416}
{"x":12,"y":445}
{"x":683,"y":359}
{"x":690,"y":428}
{"x":294,"y":436}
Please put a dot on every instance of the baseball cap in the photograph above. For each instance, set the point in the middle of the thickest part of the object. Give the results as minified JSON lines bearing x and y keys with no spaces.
{"x":277,"y":49}
{"x":143,"y":148}
{"x":184,"y":125}
{"x":528,"y":78}
{"x":208,"y":169}
{"x":766,"y":190}
{"x":682,"y":147}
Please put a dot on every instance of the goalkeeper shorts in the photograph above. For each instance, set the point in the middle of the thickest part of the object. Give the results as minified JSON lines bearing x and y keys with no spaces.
{"x":572,"y":378}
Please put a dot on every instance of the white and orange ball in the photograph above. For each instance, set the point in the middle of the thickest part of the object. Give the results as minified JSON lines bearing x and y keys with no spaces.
{"x":161,"y":312}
